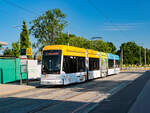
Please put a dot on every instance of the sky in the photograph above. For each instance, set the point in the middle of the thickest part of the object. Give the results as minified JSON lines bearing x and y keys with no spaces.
{"x":115,"y":21}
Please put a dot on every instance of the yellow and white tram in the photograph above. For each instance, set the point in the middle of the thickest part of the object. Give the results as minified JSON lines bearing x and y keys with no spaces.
{"x":62,"y":64}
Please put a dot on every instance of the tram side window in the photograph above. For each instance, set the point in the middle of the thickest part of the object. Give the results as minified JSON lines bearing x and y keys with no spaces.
{"x":66,"y":64}
{"x":73,"y":64}
{"x":111,"y":63}
{"x":93,"y":64}
{"x":117,"y":63}
{"x":69,"y":64}
{"x":81,"y":64}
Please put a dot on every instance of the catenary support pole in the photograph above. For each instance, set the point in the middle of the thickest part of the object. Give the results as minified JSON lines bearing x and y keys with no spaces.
{"x":145,"y":56}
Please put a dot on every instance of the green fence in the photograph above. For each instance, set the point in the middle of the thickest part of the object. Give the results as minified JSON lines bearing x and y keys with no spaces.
{"x":24,"y":75}
{"x":0,"y":75}
{"x":10,"y":70}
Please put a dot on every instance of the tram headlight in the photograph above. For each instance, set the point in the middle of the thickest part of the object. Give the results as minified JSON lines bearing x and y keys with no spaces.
{"x":44,"y":74}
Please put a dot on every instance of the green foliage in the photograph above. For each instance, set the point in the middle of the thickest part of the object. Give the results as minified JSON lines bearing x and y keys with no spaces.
{"x":99,"y":45}
{"x":24,"y":43}
{"x":81,"y":42}
{"x":24,"y":37}
{"x":131,"y":53}
{"x":112,"y":47}
{"x":15,"y":49}
{"x":7,"y":52}
{"x":64,"y":39}
{"x":48,"y":27}
{"x":148,"y":56}
{"x":48,"y":30}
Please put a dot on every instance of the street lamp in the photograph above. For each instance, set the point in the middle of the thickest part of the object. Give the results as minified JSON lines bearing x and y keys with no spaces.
{"x":121,"y":57}
{"x":141,"y":44}
{"x":18,"y":27}
{"x":145,"y":56}
{"x":96,"y":38}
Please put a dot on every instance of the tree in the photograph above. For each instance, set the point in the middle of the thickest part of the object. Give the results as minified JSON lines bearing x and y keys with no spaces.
{"x":148,"y":56}
{"x":64,"y":40}
{"x":24,"y":37}
{"x":131,"y":53}
{"x":7,"y":52}
{"x":24,"y":43}
{"x":48,"y":27}
{"x":79,"y":42}
{"x":15,"y":49}
{"x":112,"y":47}
{"x":102,"y":46}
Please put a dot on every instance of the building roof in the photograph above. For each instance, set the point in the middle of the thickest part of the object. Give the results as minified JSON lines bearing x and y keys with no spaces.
{"x":3,"y":43}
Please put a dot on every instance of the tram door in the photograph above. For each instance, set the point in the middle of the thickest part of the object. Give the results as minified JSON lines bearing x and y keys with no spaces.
{"x":103,"y":67}
{"x":87,"y":65}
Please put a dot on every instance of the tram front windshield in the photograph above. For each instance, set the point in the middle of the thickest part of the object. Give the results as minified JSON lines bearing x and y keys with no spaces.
{"x":51,"y":62}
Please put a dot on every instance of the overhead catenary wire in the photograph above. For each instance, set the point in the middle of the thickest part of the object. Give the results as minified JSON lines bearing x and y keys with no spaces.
{"x":110,"y":21}
{"x":105,"y":16}
{"x":20,"y":7}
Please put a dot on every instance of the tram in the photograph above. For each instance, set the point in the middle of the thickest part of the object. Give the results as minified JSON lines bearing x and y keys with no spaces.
{"x":62,"y":65}
{"x":113,"y":64}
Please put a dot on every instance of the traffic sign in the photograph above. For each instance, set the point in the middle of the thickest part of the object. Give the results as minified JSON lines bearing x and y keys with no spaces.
{"x":29,"y":52}
{"x":23,"y":51}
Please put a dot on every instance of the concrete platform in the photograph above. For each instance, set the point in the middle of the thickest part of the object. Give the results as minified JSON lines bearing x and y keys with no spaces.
{"x":6,"y":89}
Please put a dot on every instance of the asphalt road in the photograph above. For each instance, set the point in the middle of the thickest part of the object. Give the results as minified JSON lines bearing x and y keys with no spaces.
{"x":141,"y":105}
{"x":76,"y":98}
{"x":124,"y":101}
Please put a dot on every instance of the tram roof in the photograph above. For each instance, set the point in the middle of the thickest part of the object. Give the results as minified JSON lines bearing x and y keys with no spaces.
{"x":63,"y":47}
{"x":67,"y":50}
{"x":103,"y":55}
{"x":117,"y":57}
{"x":76,"y":51}
{"x":93,"y":53}
{"x":111,"y":56}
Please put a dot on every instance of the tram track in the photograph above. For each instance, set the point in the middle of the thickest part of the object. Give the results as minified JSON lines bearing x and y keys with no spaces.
{"x":74,"y":92}
{"x":39,"y":92}
{"x":71,"y":97}
{"x":86,"y":85}
{"x":103,"y":96}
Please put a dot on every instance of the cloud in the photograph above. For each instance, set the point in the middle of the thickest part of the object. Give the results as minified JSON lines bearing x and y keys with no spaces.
{"x":121,"y":26}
